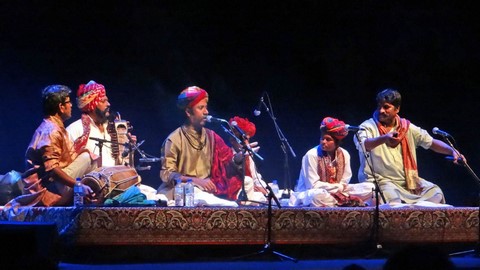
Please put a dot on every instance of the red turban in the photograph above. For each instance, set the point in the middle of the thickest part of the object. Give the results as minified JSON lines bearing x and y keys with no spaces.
{"x":334,"y":128}
{"x":190,"y":96}
{"x":245,"y":125}
{"x":88,"y":96}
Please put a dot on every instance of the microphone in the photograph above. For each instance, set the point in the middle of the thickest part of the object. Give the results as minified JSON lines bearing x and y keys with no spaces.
{"x":149,"y":159}
{"x":353,"y":128}
{"x":437,"y":131}
{"x":212,"y":119}
{"x":257,"y":110}
{"x":242,"y":133}
{"x":143,"y":168}
{"x":98,"y":140}
{"x":244,"y":140}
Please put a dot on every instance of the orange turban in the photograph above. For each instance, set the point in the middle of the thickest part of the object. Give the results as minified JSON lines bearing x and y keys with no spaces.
{"x":190,"y":96}
{"x":88,"y":96}
{"x":334,"y":128}
{"x":244,"y":125}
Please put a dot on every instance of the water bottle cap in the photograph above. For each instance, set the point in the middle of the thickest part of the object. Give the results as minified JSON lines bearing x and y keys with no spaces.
{"x":274,"y":181}
{"x":189,"y":180}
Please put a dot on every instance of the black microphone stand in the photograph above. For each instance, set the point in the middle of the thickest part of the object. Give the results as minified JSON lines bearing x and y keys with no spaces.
{"x":242,"y":196}
{"x":268,"y":248}
{"x":476,"y":250}
{"x":378,"y":194}
{"x":285,"y":148}
{"x":144,"y":158}
{"x":132,"y":147}
{"x":100,"y":143}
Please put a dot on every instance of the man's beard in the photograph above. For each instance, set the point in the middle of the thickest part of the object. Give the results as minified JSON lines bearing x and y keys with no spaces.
{"x":102,"y":115}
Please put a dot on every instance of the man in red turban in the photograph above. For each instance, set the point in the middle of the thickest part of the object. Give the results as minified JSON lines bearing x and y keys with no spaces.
{"x":253,"y":181}
{"x":93,"y":101}
{"x":90,"y":95}
{"x":198,"y":153}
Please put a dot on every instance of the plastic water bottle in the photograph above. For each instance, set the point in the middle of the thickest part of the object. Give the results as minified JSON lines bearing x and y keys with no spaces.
{"x":189,"y":194}
{"x":78,"y":193}
{"x":179,"y":193}
{"x":275,"y":188}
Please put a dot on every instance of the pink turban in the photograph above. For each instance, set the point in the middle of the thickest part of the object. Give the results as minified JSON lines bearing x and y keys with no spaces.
{"x":190,"y":97}
{"x":88,"y":96}
{"x":334,"y":128}
{"x":245,"y":125}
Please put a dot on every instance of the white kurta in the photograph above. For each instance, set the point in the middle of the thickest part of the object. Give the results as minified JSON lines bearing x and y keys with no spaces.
{"x":310,"y":191}
{"x":255,"y":180}
{"x":75,"y":130}
{"x":387,"y":163}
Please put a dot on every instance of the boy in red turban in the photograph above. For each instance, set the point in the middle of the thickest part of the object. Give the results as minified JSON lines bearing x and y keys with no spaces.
{"x":325,"y":174}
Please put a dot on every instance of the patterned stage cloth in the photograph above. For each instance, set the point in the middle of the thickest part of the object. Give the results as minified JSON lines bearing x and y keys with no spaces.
{"x":249,"y":225}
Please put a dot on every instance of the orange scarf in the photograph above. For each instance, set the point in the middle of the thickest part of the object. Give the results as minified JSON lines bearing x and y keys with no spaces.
{"x":409,"y":164}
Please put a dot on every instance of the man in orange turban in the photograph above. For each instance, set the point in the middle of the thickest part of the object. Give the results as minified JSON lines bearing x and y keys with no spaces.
{"x":325,"y":174}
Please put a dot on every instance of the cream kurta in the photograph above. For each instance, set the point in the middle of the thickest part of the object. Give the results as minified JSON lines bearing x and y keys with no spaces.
{"x":387,"y":163}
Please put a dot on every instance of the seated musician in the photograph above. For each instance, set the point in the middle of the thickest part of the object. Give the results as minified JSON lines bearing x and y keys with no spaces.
{"x":195,"y":152}
{"x":255,"y":186}
{"x":52,"y":161}
{"x":92,"y":100}
{"x":324,"y":179}
{"x":94,"y":124}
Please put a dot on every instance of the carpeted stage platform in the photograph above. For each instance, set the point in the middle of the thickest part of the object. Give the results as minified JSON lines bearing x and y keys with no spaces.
{"x":138,"y":233}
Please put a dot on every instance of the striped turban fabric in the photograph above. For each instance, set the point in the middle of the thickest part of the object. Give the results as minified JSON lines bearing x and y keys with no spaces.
{"x":88,"y":96}
{"x":190,"y":97}
{"x":334,"y":128}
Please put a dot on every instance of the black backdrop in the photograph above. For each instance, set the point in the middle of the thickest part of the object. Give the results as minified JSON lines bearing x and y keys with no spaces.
{"x":313,"y":58}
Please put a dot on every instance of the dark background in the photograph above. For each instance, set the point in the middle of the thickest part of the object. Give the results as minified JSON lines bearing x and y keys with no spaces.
{"x":313,"y":58}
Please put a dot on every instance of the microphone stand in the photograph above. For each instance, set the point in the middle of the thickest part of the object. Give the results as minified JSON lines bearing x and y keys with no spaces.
{"x":267,"y":248}
{"x":476,"y":250}
{"x":100,"y":146}
{"x":242,"y":196}
{"x":285,"y":148}
{"x":131,"y":147}
{"x":144,"y":158}
{"x":378,"y":193}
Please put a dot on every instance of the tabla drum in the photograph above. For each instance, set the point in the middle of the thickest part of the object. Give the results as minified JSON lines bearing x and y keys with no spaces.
{"x":108,"y":182}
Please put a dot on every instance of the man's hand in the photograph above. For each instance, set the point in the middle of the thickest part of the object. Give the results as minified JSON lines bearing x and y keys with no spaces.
{"x":206,"y":184}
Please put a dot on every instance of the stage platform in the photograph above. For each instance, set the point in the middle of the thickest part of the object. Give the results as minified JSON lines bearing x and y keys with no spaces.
{"x":140,"y":226}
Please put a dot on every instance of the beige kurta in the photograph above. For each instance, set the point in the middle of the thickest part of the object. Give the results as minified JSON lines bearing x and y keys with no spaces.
{"x":387,"y":163}
{"x":180,"y":158}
